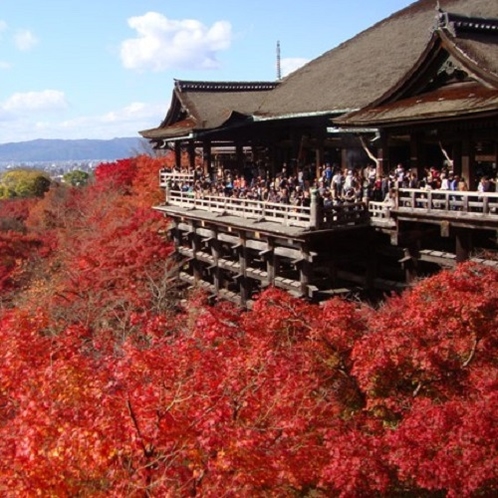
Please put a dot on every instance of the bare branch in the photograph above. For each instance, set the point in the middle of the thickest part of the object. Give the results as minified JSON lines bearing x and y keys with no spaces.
{"x":445,"y":154}
{"x":369,"y":153}
{"x":417,"y":389}
{"x":471,"y":355}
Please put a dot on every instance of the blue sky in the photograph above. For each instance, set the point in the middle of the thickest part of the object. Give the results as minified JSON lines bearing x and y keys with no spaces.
{"x":104,"y":69}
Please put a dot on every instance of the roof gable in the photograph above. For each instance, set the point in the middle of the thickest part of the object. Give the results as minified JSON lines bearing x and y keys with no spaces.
{"x":448,"y":79}
{"x":202,"y":105}
{"x":358,"y":71}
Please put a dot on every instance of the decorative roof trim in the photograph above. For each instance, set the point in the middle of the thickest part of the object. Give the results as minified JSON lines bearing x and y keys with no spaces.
{"x":468,"y":64}
{"x":225,"y":86}
{"x":280,"y":117}
{"x":337,"y":130}
{"x":458,"y":24}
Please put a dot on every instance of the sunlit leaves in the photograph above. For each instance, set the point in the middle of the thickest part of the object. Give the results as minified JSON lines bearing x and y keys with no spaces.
{"x":108,"y":387}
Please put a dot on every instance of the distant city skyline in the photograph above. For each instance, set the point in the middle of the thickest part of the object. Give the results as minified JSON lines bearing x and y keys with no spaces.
{"x":39,"y":151}
{"x":72,"y":70}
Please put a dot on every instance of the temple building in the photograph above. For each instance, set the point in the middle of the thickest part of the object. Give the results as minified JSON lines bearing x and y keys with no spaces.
{"x":417,"y":91}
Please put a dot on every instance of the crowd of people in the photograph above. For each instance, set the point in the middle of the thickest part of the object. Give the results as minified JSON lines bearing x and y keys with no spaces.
{"x":334,"y":184}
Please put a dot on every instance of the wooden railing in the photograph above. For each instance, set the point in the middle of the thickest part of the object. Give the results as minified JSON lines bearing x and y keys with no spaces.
{"x":380,"y":214}
{"x":456,"y":202}
{"x":313,"y":216}
{"x":349,"y":213}
{"x":446,"y":203}
{"x":174,"y":176}
{"x":284,"y":214}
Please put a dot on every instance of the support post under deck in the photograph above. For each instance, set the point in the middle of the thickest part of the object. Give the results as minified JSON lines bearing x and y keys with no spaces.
{"x":244,"y":283}
{"x":463,"y":245}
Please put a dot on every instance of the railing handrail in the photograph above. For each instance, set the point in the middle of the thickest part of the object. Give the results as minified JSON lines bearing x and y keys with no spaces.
{"x":232,"y":200}
{"x":286,"y":214}
{"x":462,"y":201}
{"x":458,"y":203}
{"x":469,"y":193}
{"x":165,"y":175}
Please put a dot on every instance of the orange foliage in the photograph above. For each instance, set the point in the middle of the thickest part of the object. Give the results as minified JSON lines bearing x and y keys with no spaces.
{"x":104,"y":393}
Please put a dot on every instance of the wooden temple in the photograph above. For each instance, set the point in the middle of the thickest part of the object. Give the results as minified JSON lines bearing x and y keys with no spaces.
{"x":419,"y":88}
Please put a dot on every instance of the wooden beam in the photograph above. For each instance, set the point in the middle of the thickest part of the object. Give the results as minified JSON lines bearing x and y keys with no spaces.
{"x":231,"y":239}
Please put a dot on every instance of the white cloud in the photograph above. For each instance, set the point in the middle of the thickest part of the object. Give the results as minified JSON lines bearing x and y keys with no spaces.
{"x":25,"y":40}
{"x":35,"y":101}
{"x":5,"y":65}
{"x":162,"y":43}
{"x":290,"y":64}
{"x":3,"y":25}
{"x":124,"y":122}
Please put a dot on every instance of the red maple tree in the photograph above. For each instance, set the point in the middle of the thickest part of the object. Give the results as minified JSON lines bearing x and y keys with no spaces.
{"x":108,"y":389}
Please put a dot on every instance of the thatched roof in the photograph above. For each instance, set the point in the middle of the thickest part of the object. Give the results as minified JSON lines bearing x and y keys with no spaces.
{"x":200,"y":105}
{"x":348,"y":77}
{"x":434,"y":90}
{"x":360,"y":70}
{"x":444,"y":103}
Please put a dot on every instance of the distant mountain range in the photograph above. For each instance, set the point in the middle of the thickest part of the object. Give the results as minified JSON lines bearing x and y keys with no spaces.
{"x":42,"y":150}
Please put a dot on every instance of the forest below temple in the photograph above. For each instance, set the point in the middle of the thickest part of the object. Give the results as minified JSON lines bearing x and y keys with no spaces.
{"x":114,"y":381}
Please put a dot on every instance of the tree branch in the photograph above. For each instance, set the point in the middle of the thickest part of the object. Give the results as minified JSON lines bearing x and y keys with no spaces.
{"x":369,"y":153}
{"x":445,"y":154}
{"x":471,"y":355}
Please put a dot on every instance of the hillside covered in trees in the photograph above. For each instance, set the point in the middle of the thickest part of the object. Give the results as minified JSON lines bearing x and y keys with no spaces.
{"x":112,"y":383}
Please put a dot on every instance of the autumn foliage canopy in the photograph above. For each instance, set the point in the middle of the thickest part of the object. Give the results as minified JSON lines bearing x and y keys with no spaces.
{"x":112,"y":386}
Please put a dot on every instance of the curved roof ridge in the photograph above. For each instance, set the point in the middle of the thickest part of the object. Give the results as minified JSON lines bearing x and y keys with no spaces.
{"x":224,"y":86}
{"x":358,"y":70}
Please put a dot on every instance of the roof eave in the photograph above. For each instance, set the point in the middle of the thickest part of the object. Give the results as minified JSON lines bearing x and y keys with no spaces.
{"x":297,"y":115}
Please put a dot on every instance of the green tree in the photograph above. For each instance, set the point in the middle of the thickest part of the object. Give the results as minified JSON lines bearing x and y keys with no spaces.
{"x":76,"y":178}
{"x":24,"y":183}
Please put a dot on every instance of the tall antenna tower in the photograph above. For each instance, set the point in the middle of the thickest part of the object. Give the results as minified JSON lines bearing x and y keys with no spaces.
{"x":279,"y":69}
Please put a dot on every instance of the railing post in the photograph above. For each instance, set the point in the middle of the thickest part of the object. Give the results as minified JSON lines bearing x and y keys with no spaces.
{"x":485,"y":204}
{"x":167,"y":190}
{"x":315,"y":211}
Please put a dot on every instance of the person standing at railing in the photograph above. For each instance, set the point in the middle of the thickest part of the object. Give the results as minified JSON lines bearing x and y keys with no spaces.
{"x":390,"y":199}
{"x":462,"y":185}
{"x":337,"y":182}
{"x":445,"y":183}
{"x":484,"y":184}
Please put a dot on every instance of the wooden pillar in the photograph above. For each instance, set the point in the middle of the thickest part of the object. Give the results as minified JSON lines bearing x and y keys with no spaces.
{"x":456,"y":155}
{"x":319,"y":157}
{"x":371,"y":262}
{"x":332,"y":271}
{"x":271,"y":262}
{"x":243,"y":263}
{"x":383,"y":154}
{"x":316,"y":214}
{"x":468,"y":166}
{"x":344,"y":158}
{"x":196,"y":264}
{"x":178,"y":154}
{"x":305,"y":270}
{"x":175,"y":234}
{"x":239,"y":157}
{"x":417,"y":155}
{"x":191,"y":156}
{"x":207,"y":159}
{"x":495,"y":144}
{"x":463,"y":245}
{"x":409,"y":263}
{"x":295,"y":149}
{"x":215,"y":252}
